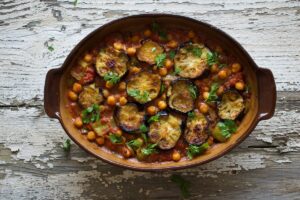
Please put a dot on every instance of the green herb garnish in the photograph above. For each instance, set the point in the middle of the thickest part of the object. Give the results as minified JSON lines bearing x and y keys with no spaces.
{"x":191,"y":114}
{"x":141,"y":96}
{"x":196,"y":51}
{"x":227,"y":127}
{"x":91,"y":114}
{"x":144,"y":136}
{"x":212,"y":58}
{"x":212,"y":96}
{"x":154,"y":118}
{"x":193,"y":91}
{"x":172,"y":54}
{"x":177,"y":70}
{"x":135,"y":144}
{"x":149,"y":149}
{"x":162,"y":88}
{"x":75,"y":2}
{"x":143,"y":128}
{"x":160,"y":59}
{"x":51,"y":48}
{"x":67,"y":145}
{"x":111,"y":77}
{"x":183,"y":185}
{"x":115,"y":139}
{"x":194,"y":150}
{"x":157,"y":29}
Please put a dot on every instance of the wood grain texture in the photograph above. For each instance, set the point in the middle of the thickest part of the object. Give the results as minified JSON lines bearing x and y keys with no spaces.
{"x":32,"y":162}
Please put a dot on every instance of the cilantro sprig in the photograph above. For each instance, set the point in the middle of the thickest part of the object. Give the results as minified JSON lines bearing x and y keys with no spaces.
{"x":149,"y":149}
{"x":154,"y":118}
{"x":227,"y":127}
{"x":193,"y":91}
{"x":172,"y":54}
{"x":91,"y":114}
{"x":160,"y":59}
{"x":143,"y":128}
{"x":141,"y":96}
{"x":177,"y":70}
{"x":115,"y":139}
{"x":191,"y":115}
{"x":67,"y":145}
{"x":112,"y":77}
{"x":183,"y":185}
{"x":135,"y":144}
{"x":212,"y":96}
{"x":212,"y":58}
{"x":194,"y":150}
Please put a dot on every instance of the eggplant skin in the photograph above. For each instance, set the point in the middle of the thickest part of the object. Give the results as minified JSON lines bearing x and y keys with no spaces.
{"x":89,"y":96}
{"x":166,"y":131}
{"x":179,"y":96}
{"x":231,"y":106}
{"x":111,"y":60}
{"x":189,"y":64}
{"x":129,"y":118}
{"x":148,"y":52}
{"x":145,"y":82}
{"x":196,"y":129}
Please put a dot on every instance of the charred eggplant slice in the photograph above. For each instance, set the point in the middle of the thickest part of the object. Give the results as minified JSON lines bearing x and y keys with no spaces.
{"x":144,"y":87}
{"x":196,"y":129}
{"x":111,"y":60}
{"x":191,"y":60}
{"x":181,"y":95}
{"x":166,"y":131}
{"x":89,"y":96}
{"x":149,"y":51}
{"x":231,"y":106}
{"x":129,"y":117}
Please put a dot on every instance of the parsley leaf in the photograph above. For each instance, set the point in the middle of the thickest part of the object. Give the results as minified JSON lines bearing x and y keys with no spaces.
{"x":115,"y":139}
{"x":135,"y":144}
{"x":194,"y":150}
{"x":177,"y":70}
{"x":144,"y":136}
{"x":196,"y":51}
{"x":154,"y":118}
{"x":183,"y":185}
{"x":227,"y":127}
{"x":212,"y":96}
{"x":91,"y":114}
{"x":193,"y":90}
{"x":172,"y":54}
{"x":51,"y":48}
{"x":111,"y":77}
{"x":149,"y":149}
{"x":67,"y":145}
{"x":160,"y":59}
{"x":191,"y":114}
{"x":143,"y":128}
{"x":142,"y":96}
{"x":212,"y":58}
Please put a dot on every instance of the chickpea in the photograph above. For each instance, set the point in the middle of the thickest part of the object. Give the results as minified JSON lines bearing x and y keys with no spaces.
{"x":240,"y":86}
{"x":100,"y":140}
{"x":203,"y":107}
{"x":108,"y":84}
{"x":88,"y":57}
{"x":118,"y":45}
{"x":135,"y":70}
{"x":91,"y":135}
{"x":163,"y":71}
{"x":152,"y":110}
{"x":131,"y":51}
{"x":126,"y":152}
{"x":220,"y":90}
{"x":123,"y":101}
{"x":77,"y":87}
{"x":105,"y":93}
{"x":111,"y":100}
{"x":191,"y":34}
{"x":162,"y":105}
{"x":205,"y":95}
{"x":78,"y":122}
{"x":169,"y":63}
{"x":214,"y":68}
{"x":222,"y":74}
{"x":122,"y":86}
{"x":172,"y":44}
{"x":236,"y":67}
{"x":72,"y":96}
{"x":147,"y":33}
{"x":176,"y":156}
{"x":210,"y":140}
{"x":135,"y":38}
{"x":119,"y":133}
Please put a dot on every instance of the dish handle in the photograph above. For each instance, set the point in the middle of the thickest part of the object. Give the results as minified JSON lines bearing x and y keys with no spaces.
{"x":266,"y":93}
{"x":51,"y":93}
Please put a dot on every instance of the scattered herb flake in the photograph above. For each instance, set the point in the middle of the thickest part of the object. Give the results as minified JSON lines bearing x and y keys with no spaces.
{"x":212,"y":58}
{"x":197,"y":51}
{"x":143,"y":128}
{"x":183,"y":185}
{"x":75,"y":2}
{"x":111,"y":77}
{"x":177,"y":70}
{"x":172,"y":54}
{"x":67,"y":145}
{"x":212,"y":96}
{"x":91,"y":114}
{"x":162,"y":88}
{"x":149,"y":149}
{"x":194,"y":150}
{"x":144,"y":136}
{"x":142,"y":96}
{"x":51,"y":48}
{"x":154,"y":118}
{"x":193,"y":91}
{"x":115,"y":139}
{"x":191,"y":114}
{"x":160,"y":59}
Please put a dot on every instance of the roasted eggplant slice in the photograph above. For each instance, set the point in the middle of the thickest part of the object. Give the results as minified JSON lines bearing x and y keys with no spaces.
{"x":148,"y":52}
{"x":89,"y":96}
{"x":166,"y":131}
{"x":196,"y":129}
{"x":144,"y":87}
{"x":181,"y":95}
{"x":231,"y":106}
{"x":129,"y":117}
{"x":111,"y":60}
{"x":191,"y":60}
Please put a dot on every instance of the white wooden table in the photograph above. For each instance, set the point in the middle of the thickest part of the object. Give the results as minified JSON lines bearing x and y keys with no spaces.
{"x":34,"y":166}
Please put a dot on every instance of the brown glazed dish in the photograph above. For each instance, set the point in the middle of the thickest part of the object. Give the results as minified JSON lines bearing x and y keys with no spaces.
{"x":261,"y":80}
